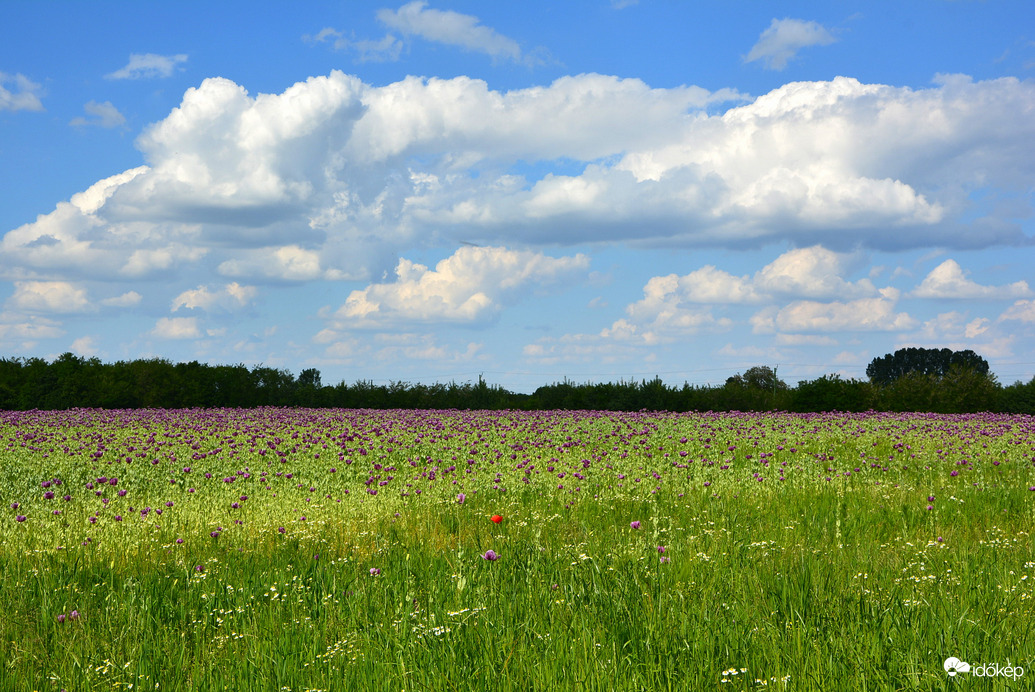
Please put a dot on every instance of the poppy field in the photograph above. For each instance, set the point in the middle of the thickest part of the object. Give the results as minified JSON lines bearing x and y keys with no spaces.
{"x":333,"y":549}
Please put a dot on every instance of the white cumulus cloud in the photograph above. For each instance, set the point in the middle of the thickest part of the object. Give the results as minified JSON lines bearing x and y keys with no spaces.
{"x":813,"y":272}
{"x":85,"y":346}
{"x":49,"y":297}
{"x":704,"y":285}
{"x":809,"y":316}
{"x":288,"y":263}
{"x":176,"y":328}
{"x":948,"y":280}
{"x":470,"y":286}
{"x":1021,"y":310}
{"x":957,"y":331}
{"x":334,"y":178}
{"x":26,"y":331}
{"x":230,"y":297}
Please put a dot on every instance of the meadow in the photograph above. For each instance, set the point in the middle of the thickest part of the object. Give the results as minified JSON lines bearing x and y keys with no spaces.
{"x":331,"y":549}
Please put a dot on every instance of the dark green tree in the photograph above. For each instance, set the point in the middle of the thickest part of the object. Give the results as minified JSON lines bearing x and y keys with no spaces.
{"x":1019,"y":397}
{"x":310,"y":377}
{"x":758,"y":389}
{"x":925,"y":361}
{"x":11,"y":376}
{"x":964,"y":389}
{"x":307,"y":391}
{"x":914,"y":391}
{"x":831,"y":393}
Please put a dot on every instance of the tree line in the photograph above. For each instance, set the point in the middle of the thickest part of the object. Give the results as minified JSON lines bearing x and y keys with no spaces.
{"x":909,"y":380}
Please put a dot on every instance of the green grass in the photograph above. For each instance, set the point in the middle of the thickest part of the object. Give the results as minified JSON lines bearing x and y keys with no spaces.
{"x":801,"y":584}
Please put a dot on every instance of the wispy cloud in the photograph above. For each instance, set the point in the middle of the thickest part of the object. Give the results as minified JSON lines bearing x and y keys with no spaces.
{"x":386,"y":49}
{"x":781,"y":42}
{"x":451,"y":28}
{"x":148,"y":66}
{"x":127,"y":299}
{"x":101,"y":115}
{"x":416,"y":20}
{"x":24,"y":97}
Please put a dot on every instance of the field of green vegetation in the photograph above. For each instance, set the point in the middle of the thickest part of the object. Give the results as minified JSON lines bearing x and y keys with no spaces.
{"x":305,"y":549}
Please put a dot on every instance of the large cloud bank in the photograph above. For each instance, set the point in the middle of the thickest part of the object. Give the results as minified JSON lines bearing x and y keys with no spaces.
{"x":333,"y":178}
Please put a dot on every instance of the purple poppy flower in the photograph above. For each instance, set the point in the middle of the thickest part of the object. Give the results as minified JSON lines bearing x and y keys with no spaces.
{"x":491,"y":556}
{"x":374,"y":571}
{"x":460,"y":498}
{"x":634,"y":524}
{"x":20,"y":517}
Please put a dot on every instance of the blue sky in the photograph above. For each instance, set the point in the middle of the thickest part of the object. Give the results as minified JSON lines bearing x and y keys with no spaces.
{"x":430,"y":191}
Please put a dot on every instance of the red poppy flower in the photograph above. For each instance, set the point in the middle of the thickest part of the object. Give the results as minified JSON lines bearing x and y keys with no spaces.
{"x":496,"y":518}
